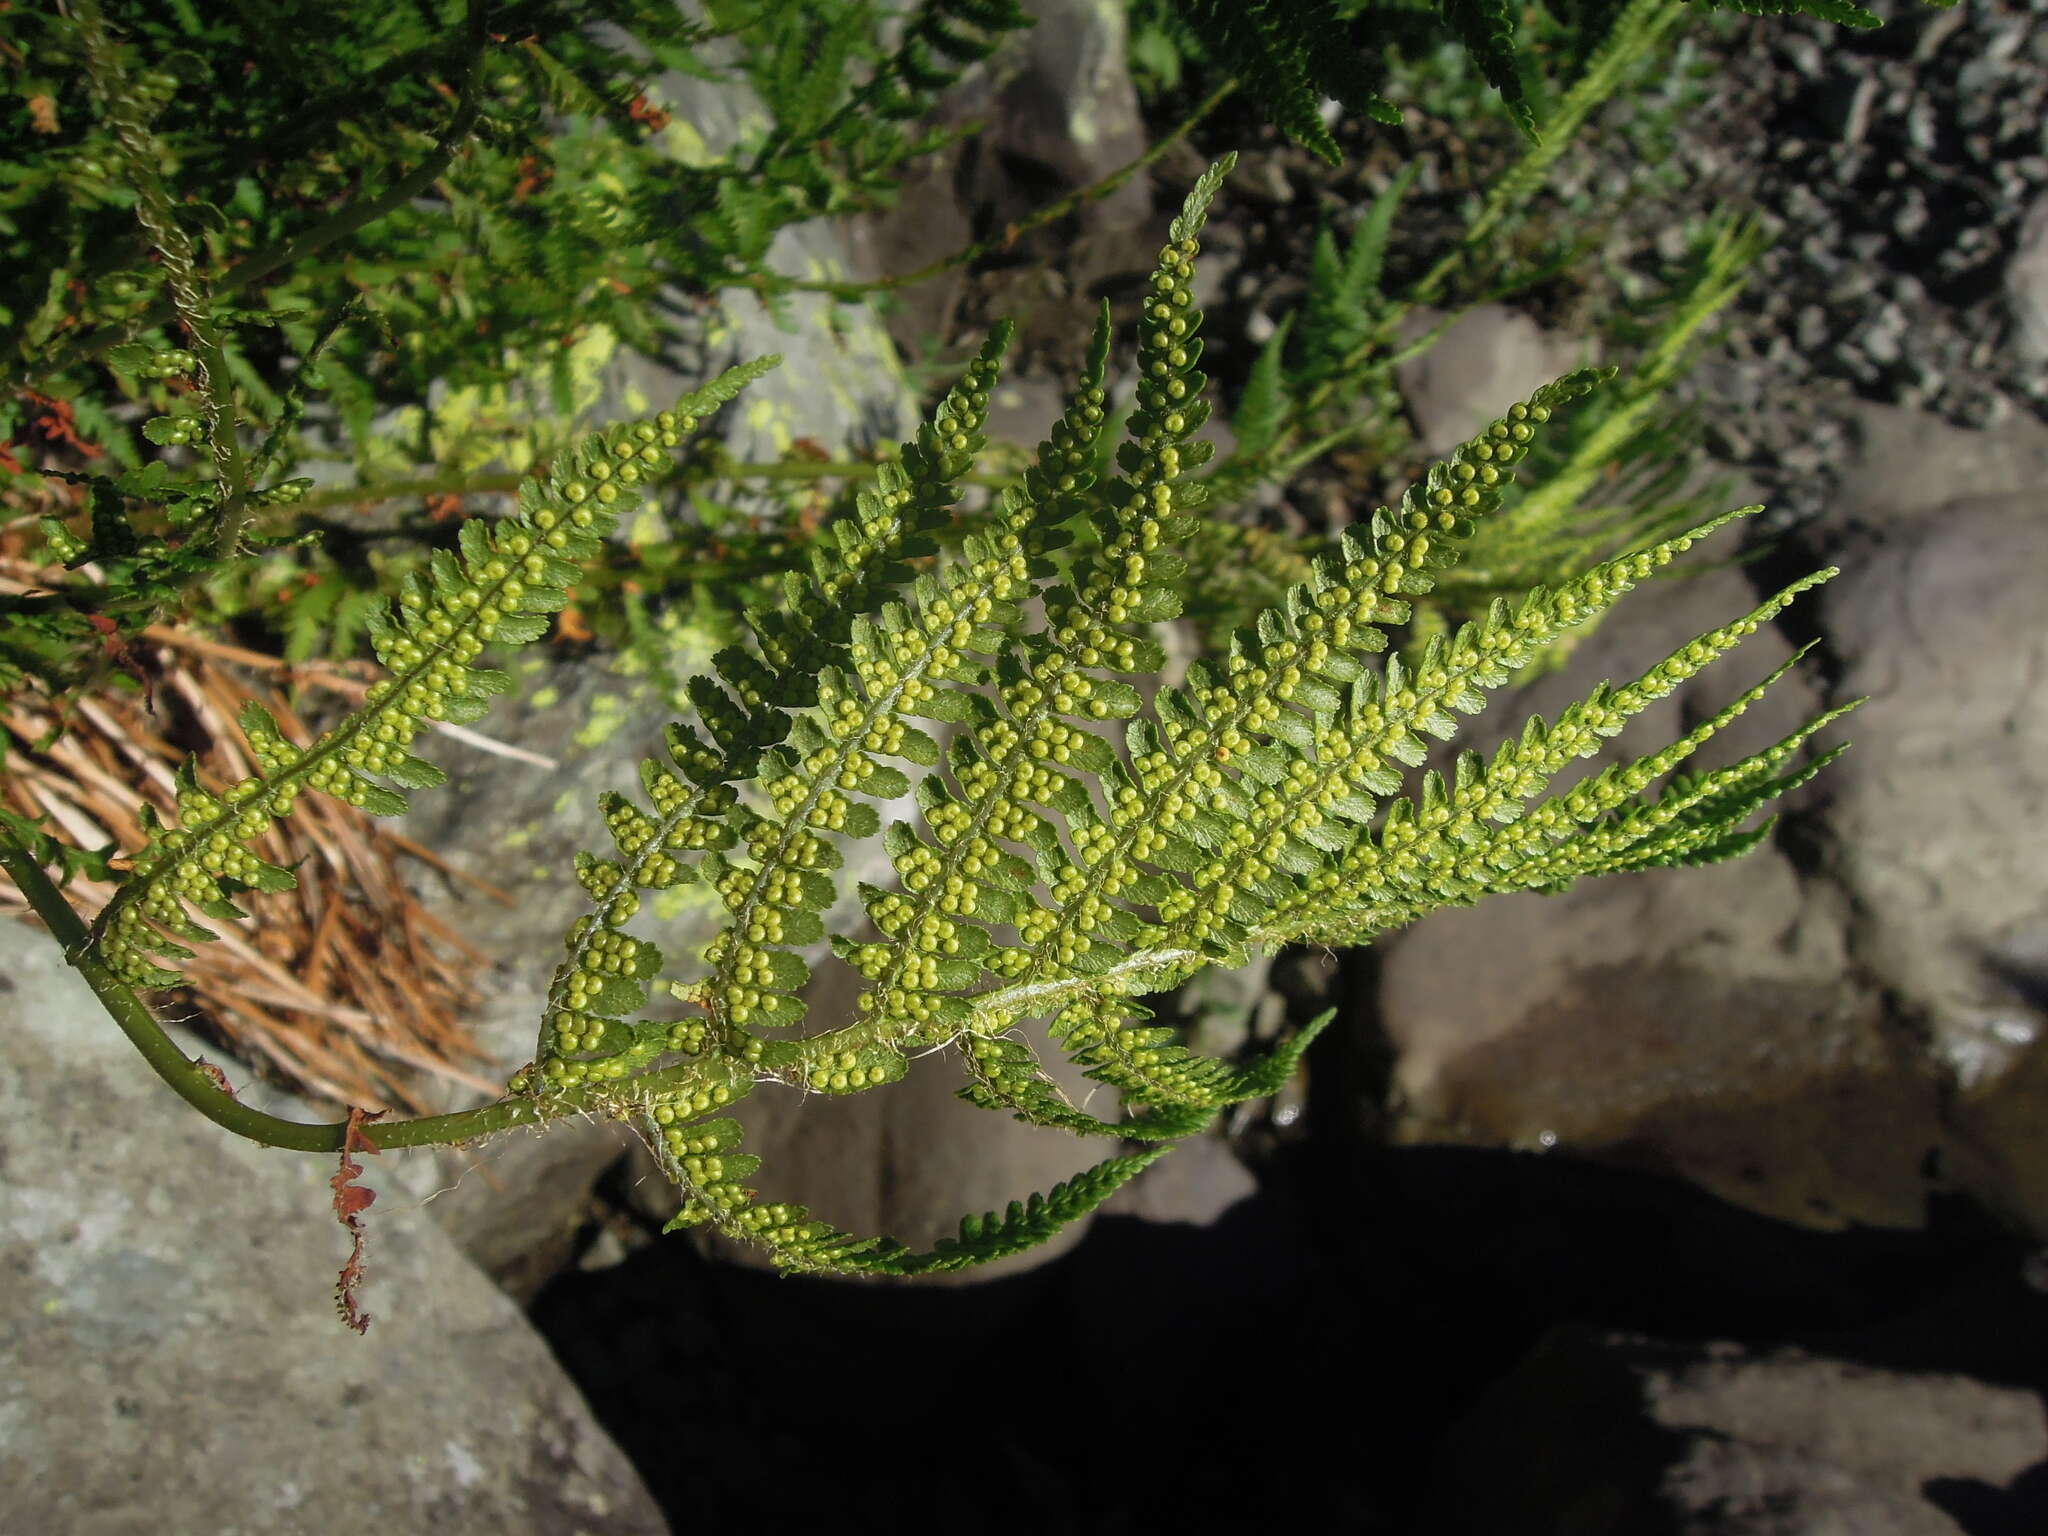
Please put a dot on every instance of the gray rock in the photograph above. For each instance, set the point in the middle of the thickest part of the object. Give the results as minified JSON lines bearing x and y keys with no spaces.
{"x":518,"y":1201}
{"x":174,"y":1360}
{"x":2026,"y":285}
{"x":1479,"y":367}
{"x":1929,"y":826}
{"x":1195,"y":1183}
{"x":1595,"y":1436}
{"x":1066,"y":98}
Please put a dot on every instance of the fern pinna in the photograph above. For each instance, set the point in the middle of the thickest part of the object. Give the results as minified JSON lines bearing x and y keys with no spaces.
{"x":1076,"y":847}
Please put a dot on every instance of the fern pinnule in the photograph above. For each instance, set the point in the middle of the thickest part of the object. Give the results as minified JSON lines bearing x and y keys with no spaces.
{"x":1262,"y":407}
{"x":712,"y":1170}
{"x":1841,"y":12}
{"x":1344,"y":300}
{"x":1441,"y":851}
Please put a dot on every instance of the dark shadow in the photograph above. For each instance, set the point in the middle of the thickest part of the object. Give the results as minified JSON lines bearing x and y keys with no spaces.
{"x":1156,"y":1377}
{"x":1312,"y":1352}
{"x":1982,"y":1510}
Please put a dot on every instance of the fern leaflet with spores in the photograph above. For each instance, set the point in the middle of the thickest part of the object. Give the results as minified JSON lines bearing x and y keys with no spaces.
{"x":507,"y":578}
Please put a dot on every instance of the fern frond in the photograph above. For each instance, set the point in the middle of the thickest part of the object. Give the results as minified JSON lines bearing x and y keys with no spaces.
{"x":1024,"y":747}
{"x":1440,"y":852}
{"x":703,"y":1160}
{"x":1062,"y":866}
{"x":1487,"y":29}
{"x":507,"y":578}
{"x":1262,"y":409}
{"x":1024,"y":1226}
{"x":1641,"y":27}
{"x":1281,"y":50}
{"x":1343,"y":301}
{"x":1693,"y":822}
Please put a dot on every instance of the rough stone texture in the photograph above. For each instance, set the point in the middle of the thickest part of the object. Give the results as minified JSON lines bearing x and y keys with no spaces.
{"x":1905,"y":462}
{"x":1488,"y":360}
{"x":517,"y":1203}
{"x":1060,"y":113}
{"x":1928,"y":822}
{"x":2026,"y":284}
{"x":1596,"y":1436}
{"x":1065,"y":99}
{"x":174,"y":1361}
{"x":1897,"y":168}
{"x":1930,"y":828}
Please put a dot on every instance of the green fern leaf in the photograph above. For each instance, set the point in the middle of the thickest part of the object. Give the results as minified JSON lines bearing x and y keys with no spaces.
{"x":1262,"y":409}
{"x":1281,"y":50}
{"x":1025,"y":1226}
{"x":517,"y":569}
{"x":1487,"y":29}
{"x":1075,"y":847}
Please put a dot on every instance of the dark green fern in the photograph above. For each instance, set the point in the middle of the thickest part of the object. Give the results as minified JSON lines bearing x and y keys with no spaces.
{"x":1292,"y":54}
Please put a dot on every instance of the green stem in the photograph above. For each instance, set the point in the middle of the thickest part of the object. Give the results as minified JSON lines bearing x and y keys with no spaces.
{"x":198,"y":1087}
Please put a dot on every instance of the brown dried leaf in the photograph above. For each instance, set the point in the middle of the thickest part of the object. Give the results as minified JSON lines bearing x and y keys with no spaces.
{"x":350,"y":1201}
